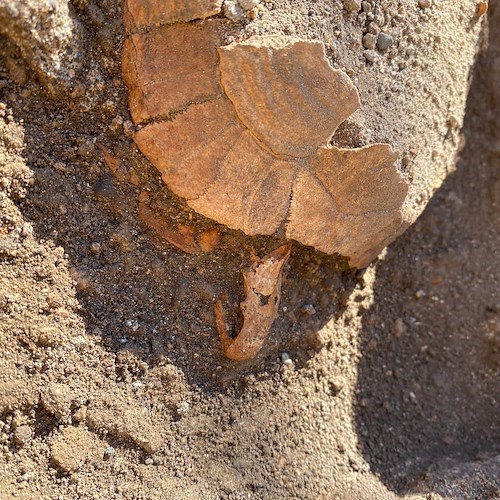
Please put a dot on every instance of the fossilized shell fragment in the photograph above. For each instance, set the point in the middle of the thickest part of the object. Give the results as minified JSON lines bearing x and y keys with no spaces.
{"x":242,"y":132}
{"x":140,"y":14}
{"x":260,"y":307}
{"x":348,"y":202}
{"x":285,"y":91}
{"x":169,"y":69}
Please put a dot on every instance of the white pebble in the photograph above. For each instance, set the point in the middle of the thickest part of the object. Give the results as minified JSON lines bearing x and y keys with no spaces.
{"x":110,"y":451}
{"x":370,"y":55}
{"x":233,"y":11}
{"x":183,"y":407}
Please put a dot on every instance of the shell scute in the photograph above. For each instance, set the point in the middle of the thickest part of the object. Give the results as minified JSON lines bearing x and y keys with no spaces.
{"x":140,"y":14}
{"x":242,"y":132}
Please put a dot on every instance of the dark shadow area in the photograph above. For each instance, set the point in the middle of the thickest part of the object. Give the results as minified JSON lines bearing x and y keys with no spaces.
{"x":429,"y":378}
{"x":147,"y":300}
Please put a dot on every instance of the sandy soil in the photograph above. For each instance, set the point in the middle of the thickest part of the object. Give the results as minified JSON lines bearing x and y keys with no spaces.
{"x":112,"y":383}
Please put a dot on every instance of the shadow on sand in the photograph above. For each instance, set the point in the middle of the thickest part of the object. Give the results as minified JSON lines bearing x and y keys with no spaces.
{"x":428,"y":381}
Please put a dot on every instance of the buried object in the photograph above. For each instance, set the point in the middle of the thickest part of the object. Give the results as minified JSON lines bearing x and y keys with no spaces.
{"x":260,"y":308}
{"x":243,"y":133}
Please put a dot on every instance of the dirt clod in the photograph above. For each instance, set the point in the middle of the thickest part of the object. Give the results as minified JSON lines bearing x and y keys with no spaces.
{"x":57,"y":399}
{"x":73,"y":447}
{"x":23,"y":435}
{"x":131,"y":422}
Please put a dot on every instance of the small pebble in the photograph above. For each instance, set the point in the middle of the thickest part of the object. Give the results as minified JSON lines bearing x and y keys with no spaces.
{"x":448,"y":440}
{"x":105,"y":186}
{"x":183,"y":407}
{"x":116,"y":123}
{"x":424,"y":4}
{"x":85,"y":149}
{"x":308,"y":309}
{"x":95,"y":248}
{"x":384,"y":41}
{"x":133,"y":324}
{"x":373,"y":28}
{"x":370,"y":55}
{"x":366,"y":6}
{"x":128,"y":129}
{"x":369,"y":41}
{"x":80,"y":415}
{"x":334,"y":387}
{"x":286,"y":359}
{"x":27,"y":230}
{"x":379,"y":19}
{"x":352,"y":5}
{"x":48,"y":336}
{"x":109,"y":451}
{"x":233,"y":11}
{"x":22,"y":435}
{"x":399,"y":328}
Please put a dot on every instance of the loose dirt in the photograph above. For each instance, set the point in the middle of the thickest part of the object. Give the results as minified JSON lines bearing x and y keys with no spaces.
{"x":372,"y":384}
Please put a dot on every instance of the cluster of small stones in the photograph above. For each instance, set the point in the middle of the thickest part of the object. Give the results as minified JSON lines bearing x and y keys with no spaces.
{"x":378,"y":37}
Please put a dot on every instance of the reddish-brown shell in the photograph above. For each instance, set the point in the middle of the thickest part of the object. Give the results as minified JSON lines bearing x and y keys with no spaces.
{"x":242,"y":132}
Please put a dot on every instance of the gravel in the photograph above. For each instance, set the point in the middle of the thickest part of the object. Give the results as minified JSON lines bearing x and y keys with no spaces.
{"x":369,"y":41}
{"x":384,"y":41}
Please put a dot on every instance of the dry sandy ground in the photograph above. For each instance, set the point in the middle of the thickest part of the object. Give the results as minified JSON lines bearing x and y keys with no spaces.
{"x":112,"y":383}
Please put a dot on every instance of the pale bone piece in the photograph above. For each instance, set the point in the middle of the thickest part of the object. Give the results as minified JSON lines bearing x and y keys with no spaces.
{"x":240,"y":138}
{"x":139,"y":14}
{"x":262,"y":284}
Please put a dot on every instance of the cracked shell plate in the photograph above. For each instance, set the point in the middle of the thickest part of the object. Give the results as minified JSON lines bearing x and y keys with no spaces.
{"x":242,"y":133}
